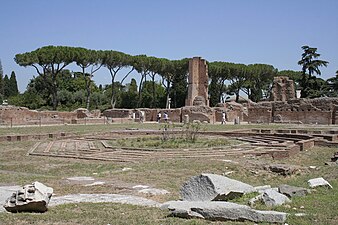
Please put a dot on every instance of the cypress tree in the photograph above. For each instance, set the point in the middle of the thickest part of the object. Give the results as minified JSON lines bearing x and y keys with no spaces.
{"x":6,"y":86}
{"x":13,"y":85}
{"x":1,"y":81}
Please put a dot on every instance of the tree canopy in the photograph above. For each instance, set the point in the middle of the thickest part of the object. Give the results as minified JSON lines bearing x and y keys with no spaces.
{"x":160,"y":79}
{"x":311,"y":64}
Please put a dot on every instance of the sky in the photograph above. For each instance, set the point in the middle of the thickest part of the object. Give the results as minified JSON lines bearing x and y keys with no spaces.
{"x":239,"y":31}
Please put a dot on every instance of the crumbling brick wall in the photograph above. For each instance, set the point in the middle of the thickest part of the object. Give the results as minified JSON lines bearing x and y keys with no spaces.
{"x":307,"y":111}
{"x":283,"y":89}
{"x":197,"y":82}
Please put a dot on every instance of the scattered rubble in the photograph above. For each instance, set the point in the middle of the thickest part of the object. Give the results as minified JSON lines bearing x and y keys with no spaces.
{"x":221,"y":211}
{"x":270,"y":197}
{"x":335,"y":157}
{"x":212,"y":187}
{"x":292,"y":191}
{"x":282,"y":169}
{"x":30,"y":198}
{"x":273,"y":198}
{"x":316,"y":182}
{"x":334,"y":160}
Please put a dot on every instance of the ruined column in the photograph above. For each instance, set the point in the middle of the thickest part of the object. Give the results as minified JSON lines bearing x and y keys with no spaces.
{"x":197,"y":83}
{"x":283,"y":89}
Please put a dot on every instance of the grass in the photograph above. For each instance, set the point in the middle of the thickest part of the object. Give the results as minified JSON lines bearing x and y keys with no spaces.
{"x":177,"y":142}
{"x":18,"y":169}
{"x":95,"y":128}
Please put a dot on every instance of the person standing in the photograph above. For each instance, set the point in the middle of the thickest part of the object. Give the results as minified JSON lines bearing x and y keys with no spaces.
{"x":159,"y":117}
{"x":223,"y":118}
{"x":141,"y":116}
{"x":165,"y":117}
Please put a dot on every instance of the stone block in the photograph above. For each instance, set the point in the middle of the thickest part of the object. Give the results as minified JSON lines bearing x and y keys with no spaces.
{"x":212,"y":187}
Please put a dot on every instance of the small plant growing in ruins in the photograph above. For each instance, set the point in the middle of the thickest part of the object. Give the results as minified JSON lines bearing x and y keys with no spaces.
{"x":191,"y":131}
{"x":167,"y":128}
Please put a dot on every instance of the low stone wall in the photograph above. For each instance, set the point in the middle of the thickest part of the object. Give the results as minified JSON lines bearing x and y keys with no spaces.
{"x":118,"y":113}
{"x":260,"y":115}
{"x":305,"y":116}
{"x":10,"y":115}
{"x":307,"y":111}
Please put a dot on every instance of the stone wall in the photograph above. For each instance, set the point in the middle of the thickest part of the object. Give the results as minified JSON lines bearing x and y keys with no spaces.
{"x":307,"y":111}
{"x":304,"y":116}
{"x":117,"y":113}
{"x":201,"y":113}
{"x":23,"y":116}
{"x":12,"y":115}
{"x":260,"y":115}
{"x":232,"y":110}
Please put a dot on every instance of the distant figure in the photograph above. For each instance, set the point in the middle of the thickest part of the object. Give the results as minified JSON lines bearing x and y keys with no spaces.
{"x":159,"y":117}
{"x":165,"y":116}
{"x":223,"y":118}
{"x":141,"y":116}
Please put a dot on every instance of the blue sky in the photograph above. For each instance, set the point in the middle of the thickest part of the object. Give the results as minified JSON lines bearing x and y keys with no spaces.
{"x":240,"y":31}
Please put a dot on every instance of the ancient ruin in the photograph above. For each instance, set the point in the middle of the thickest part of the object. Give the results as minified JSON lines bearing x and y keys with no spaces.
{"x":197,"y":83}
{"x":283,"y":89}
{"x":284,"y":107}
{"x":305,"y":111}
{"x":257,"y":142}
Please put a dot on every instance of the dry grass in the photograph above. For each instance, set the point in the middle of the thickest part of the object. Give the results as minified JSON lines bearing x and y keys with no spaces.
{"x":18,"y":169}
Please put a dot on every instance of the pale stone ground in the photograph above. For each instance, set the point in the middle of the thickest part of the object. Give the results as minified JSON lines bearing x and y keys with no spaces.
{"x":6,"y":192}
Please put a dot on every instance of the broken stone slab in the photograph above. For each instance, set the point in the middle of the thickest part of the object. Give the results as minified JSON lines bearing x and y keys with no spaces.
{"x":212,"y":187}
{"x":261,"y":189}
{"x":221,"y":211}
{"x":270,"y":197}
{"x":316,"y":182}
{"x":273,"y":198}
{"x":96,"y":198}
{"x":30,"y":198}
{"x":292,"y":191}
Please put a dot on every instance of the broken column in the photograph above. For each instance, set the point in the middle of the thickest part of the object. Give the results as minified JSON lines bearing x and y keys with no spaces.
{"x":197,"y":83}
{"x":30,"y":198}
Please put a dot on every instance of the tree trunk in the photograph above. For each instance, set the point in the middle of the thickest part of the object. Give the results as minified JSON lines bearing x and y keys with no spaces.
{"x":237,"y":95}
{"x":154,"y":94}
{"x":88,"y":94}
{"x":113,"y":102}
{"x":54,"y":93}
{"x":87,"y":82}
{"x":139,"y":92}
